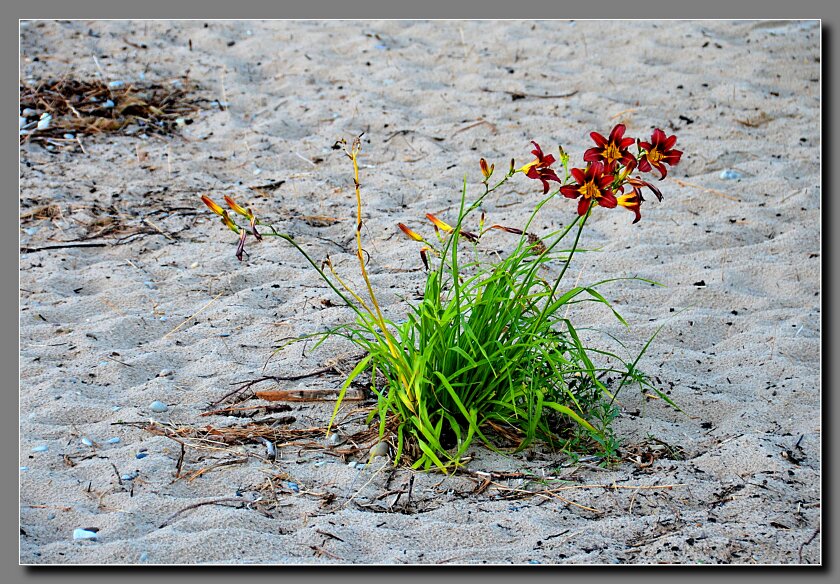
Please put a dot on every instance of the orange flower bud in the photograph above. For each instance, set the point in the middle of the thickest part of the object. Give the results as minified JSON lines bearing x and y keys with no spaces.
{"x":228,"y":222}
{"x":439,"y":224}
{"x":409,"y":232}
{"x":237,"y":209}
{"x":485,"y":170}
{"x":213,"y":206}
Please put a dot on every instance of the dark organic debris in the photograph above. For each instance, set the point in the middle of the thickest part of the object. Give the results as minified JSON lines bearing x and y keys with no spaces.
{"x":58,"y":111}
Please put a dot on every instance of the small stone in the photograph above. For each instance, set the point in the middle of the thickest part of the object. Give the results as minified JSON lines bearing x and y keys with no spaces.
{"x":141,"y":455}
{"x":293,"y":486}
{"x":165,"y":373}
{"x":144,"y":557}
{"x":80,"y":533}
{"x":194,"y":265}
{"x":21,"y":122}
{"x":87,"y":441}
{"x":158,"y":407}
{"x":379,"y":449}
{"x":116,"y":84}
{"x":116,"y":408}
{"x":149,"y":284}
{"x":28,"y":112}
{"x":50,"y":516}
{"x":534,"y":562}
{"x":130,"y":476}
{"x":41,"y":448}
{"x":352,"y":464}
{"x":335,"y":439}
{"x":44,"y":122}
{"x":24,"y":468}
{"x":114,"y":440}
{"x":729,"y":174}
{"x":108,"y":104}
{"x":163,"y":318}
{"x":69,"y":137}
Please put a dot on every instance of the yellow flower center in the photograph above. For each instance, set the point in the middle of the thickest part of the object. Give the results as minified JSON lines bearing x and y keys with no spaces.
{"x":654,"y":156}
{"x":611,"y":153}
{"x":589,"y":190}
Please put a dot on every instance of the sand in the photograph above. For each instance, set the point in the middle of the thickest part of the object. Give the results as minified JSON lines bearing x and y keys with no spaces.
{"x":735,"y":478}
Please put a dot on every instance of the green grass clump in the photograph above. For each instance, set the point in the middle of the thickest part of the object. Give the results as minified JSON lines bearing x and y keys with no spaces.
{"x":489,"y":351}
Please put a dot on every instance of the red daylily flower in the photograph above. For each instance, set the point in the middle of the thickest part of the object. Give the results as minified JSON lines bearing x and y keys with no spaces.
{"x":592,"y":186}
{"x":660,"y":149}
{"x":634,"y":199}
{"x":540,"y":169}
{"x":612,"y":150}
{"x":411,"y":234}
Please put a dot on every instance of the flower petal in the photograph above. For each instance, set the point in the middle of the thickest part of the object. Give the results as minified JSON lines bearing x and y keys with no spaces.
{"x":598,"y":138}
{"x":583,"y":205}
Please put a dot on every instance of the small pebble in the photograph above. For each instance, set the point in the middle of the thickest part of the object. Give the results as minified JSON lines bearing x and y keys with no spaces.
{"x":69,"y":137}
{"x":44,"y":122}
{"x":50,"y":516}
{"x":165,"y":373}
{"x":114,"y":440}
{"x":149,"y":284}
{"x":24,"y":468}
{"x":141,"y":455}
{"x":534,"y":562}
{"x":729,"y":174}
{"x":116,"y":408}
{"x":293,"y":486}
{"x":194,"y":265}
{"x":41,"y":448}
{"x":158,"y":406}
{"x":80,"y":533}
{"x":31,"y":230}
{"x":335,"y":439}
{"x":87,"y":441}
{"x":21,"y":122}
{"x":352,"y":464}
{"x":163,"y":318}
{"x":28,"y":112}
{"x":130,"y":476}
{"x":116,"y":84}
{"x":379,"y":449}
{"x":180,"y":121}
{"x":224,"y":334}
{"x":144,"y":557}
{"x":108,"y":104}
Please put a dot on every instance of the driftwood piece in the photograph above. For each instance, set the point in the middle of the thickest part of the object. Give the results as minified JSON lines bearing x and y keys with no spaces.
{"x":352,"y":394}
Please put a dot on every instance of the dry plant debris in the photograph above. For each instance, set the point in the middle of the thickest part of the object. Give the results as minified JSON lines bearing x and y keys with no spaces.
{"x":56,"y":112}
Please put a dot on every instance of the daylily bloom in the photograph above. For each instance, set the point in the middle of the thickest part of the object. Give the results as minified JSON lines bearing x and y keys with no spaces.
{"x":486,"y":170}
{"x":660,"y":149}
{"x":237,"y":209}
{"x":612,"y":150}
{"x":633,"y":200}
{"x":592,"y":186}
{"x":409,"y":232}
{"x":213,"y":206}
{"x":539,"y":169}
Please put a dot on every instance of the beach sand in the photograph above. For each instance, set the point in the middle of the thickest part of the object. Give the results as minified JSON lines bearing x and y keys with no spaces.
{"x":164,"y":311}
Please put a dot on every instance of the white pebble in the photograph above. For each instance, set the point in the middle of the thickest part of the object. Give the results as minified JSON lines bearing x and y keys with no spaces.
{"x":21,"y":123}
{"x":24,"y":468}
{"x":729,"y":174}
{"x":158,"y":406}
{"x":116,"y":84}
{"x":108,"y":104}
{"x":165,"y":372}
{"x":87,"y":441}
{"x":114,"y":440}
{"x":44,"y":122}
{"x":80,"y":533}
{"x":28,"y":112}
{"x":352,"y":464}
{"x":41,"y":448}
{"x":69,"y":137}
{"x":194,"y":265}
